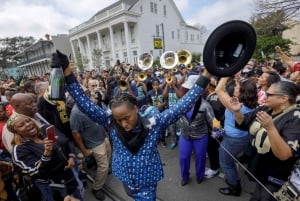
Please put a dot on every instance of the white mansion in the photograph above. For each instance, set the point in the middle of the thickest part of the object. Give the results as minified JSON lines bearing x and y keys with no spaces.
{"x":127,"y":28}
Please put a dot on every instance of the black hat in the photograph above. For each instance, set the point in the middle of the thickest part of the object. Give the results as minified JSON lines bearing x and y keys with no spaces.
{"x":229,"y":48}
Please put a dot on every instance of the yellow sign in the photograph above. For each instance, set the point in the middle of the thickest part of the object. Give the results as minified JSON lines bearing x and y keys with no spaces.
{"x":158,"y":43}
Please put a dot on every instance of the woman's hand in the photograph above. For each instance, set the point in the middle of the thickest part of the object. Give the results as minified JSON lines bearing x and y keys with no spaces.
{"x":236,"y":105}
{"x":265,"y":120}
{"x":48,"y":144}
{"x":71,"y":163}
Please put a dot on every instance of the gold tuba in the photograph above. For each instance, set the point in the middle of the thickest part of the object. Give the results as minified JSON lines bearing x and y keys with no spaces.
{"x":184,"y":57}
{"x":168,"y":60}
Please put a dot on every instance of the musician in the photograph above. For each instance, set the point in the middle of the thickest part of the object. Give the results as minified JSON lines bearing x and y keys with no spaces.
{"x":128,"y":88}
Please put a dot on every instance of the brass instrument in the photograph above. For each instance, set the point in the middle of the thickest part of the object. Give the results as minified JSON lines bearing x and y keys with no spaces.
{"x":155,"y":100}
{"x":169,"y":79}
{"x":189,"y":66}
{"x":142,"y":76}
{"x":175,"y":69}
{"x":122,"y":84}
{"x":184,"y":57}
{"x":169,"y":60}
{"x":145,"y":61}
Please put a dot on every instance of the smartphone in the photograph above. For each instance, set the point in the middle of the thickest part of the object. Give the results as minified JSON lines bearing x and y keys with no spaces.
{"x":50,"y":132}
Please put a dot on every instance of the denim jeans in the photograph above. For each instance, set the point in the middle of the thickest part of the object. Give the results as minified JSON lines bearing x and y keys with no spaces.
{"x":235,"y":146}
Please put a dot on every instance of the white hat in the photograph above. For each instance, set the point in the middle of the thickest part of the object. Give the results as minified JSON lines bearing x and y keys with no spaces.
{"x":190,"y":81}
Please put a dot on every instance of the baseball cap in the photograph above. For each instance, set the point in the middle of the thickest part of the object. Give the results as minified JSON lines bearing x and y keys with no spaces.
{"x":296,"y":67}
{"x":181,"y":66}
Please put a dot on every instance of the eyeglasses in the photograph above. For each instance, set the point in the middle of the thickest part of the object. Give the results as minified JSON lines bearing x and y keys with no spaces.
{"x":270,"y":94}
{"x":94,"y":85}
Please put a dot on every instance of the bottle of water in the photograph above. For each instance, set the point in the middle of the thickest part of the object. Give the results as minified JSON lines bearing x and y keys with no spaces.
{"x":57,"y":84}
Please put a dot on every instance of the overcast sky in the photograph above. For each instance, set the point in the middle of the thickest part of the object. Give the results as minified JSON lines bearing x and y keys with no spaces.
{"x":36,"y":18}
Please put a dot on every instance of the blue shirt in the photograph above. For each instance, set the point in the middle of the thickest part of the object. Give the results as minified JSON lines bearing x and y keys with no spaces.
{"x":229,"y":124}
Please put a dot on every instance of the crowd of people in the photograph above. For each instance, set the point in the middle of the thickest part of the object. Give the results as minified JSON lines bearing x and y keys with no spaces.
{"x":120,"y":117}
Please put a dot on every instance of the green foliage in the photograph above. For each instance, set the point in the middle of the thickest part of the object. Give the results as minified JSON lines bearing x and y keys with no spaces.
{"x":267,"y":45}
{"x":269,"y":29}
{"x":156,"y":62}
{"x":270,"y":25}
{"x":12,"y":46}
{"x":96,"y":57}
{"x":78,"y":60}
{"x":196,"y":57}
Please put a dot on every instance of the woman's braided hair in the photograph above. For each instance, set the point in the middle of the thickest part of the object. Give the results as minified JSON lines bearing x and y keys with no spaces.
{"x":122,"y":98}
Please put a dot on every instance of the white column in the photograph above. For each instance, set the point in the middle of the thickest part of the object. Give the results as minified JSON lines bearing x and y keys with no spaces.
{"x":73,"y":51}
{"x":89,"y":52}
{"x":99,"y":40}
{"x":80,"y":46}
{"x":112,"y":45}
{"x":128,"y":42}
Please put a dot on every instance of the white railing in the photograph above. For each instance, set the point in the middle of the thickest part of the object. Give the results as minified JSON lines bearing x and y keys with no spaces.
{"x":116,"y":9}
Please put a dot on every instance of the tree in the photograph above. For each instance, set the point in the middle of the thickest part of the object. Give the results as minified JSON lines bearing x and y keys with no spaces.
{"x":12,"y":46}
{"x":289,"y":7}
{"x":96,"y":58}
{"x":78,"y":57}
{"x":269,"y":28}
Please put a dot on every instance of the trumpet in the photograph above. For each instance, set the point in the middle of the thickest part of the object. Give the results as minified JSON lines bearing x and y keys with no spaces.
{"x":184,"y":57}
{"x":142,"y":76}
{"x":122,"y":85}
{"x":175,"y":70}
{"x":190,"y":66}
{"x":169,"y":60}
{"x":169,"y":79}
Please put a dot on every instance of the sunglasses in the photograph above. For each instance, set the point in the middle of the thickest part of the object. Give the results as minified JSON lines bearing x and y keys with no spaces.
{"x":275,"y":94}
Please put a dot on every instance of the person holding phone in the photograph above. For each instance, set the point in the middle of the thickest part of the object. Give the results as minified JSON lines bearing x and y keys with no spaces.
{"x":40,"y":158}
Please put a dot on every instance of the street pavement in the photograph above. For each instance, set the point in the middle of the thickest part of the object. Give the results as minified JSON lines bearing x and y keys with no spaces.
{"x":169,"y":189}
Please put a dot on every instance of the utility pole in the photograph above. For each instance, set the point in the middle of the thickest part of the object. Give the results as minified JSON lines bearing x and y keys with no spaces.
{"x":163,"y":36}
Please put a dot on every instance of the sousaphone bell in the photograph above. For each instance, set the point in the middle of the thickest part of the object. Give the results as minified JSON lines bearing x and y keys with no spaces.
{"x":145,"y":62}
{"x":168,"y":60}
{"x":184,"y":57}
{"x":229,"y":48}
